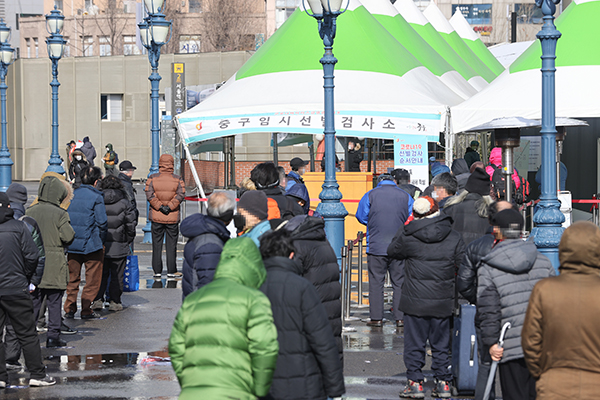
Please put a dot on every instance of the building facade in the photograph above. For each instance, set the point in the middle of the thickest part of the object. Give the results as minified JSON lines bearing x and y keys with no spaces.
{"x":12,"y":11}
{"x":109,"y":27}
{"x":491,"y":19}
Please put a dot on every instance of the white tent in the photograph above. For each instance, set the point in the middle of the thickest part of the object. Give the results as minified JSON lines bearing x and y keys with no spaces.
{"x":518,"y":91}
{"x":381,"y":89}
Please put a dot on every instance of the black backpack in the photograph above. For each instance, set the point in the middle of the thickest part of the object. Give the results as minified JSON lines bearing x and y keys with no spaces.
{"x":519,"y":196}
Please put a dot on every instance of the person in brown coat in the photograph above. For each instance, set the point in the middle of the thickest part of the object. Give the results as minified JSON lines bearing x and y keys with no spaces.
{"x":561,"y":333}
{"x":165,"y":191}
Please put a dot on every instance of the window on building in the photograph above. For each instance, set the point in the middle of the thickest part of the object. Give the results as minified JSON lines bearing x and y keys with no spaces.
{"x":111,"y":107}
{"x":58,"y":4}
{"x":37,"y":47}
{"x":28,"y":46}
{"x":195,"y":6}
{"x":189,"y":44}
{"x":105,"y":46}
{"x":529,"y":14}
{"x":88,"y":46}
{"x":283,"y":10}
{"x":475,"y":14}
{"x":130,"y":48}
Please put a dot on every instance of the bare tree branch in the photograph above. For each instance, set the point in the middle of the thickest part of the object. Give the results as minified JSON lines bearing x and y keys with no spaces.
{"x":227,"y":24}
{"x":111,"y":24}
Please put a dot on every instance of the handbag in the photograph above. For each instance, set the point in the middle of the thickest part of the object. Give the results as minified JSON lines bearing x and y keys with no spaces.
{"x":131,"y":277}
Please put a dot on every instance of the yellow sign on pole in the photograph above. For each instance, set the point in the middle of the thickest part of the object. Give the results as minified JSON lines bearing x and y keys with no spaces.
{"x":178,"y":68}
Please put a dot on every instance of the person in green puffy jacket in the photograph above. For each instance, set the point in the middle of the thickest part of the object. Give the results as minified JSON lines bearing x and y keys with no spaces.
{"x":224,"y":341}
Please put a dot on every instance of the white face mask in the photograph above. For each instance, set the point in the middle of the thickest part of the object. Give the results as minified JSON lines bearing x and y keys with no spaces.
{"x":78,"y":158}
{"x":107,"y":149}
{"x":434,"y":195}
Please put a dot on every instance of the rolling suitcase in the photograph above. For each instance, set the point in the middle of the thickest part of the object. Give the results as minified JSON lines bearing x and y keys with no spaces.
{"x":465,"y":360}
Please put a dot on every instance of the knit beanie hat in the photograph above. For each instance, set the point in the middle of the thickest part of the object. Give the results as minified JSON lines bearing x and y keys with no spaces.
{"x":17,"y":193}
{"x":424,"y":206}
{"x":478,"y":182}
{"x":255,"y":203}
{"x":508,"y":219}
{"x":6,"y":213}
{"x":438,"y":168}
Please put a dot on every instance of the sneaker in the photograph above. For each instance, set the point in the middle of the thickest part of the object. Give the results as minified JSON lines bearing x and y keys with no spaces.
{"x":93,"y":315}
{"x":413,"y":390}
{"x":157,"y":276}
{"x":2,"y":384}
{"x":70,"y":315}
{"x":376,"y":323}
{"x":65,"y":330}
{"x":16,"y":366}
{"x":115,"y":306}
{"x":441,"y":390}
{"x":41,"y":329}
{"x":97,"y":305}
{"x":175,"y":275}
{"x":399,"y":323}
{"x":45,"y":381}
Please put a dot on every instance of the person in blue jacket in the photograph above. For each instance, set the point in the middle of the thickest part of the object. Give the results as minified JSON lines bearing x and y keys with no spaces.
{"x":383,"y":210}
{"x":295,"y":176}
{"x":207,"y":235}
{"x":90,"y":223}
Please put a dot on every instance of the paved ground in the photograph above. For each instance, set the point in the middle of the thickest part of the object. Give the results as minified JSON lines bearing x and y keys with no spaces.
{"x":123,"y":355}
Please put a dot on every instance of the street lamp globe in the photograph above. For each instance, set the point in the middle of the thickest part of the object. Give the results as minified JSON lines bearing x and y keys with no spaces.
{"x":143,"y":26}
{"x":4,"y":32}
{"x":332,"y":6}
{"x":159,"y":29}
{"x":55,"y":21}
{"x":56,"y":46}
{"x":315,"y":6}
{"x":153,"y":6}
{"x":6,"y":53}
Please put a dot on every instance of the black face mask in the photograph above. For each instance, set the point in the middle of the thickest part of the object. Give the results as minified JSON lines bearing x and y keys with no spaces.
{"x":239,"y":221}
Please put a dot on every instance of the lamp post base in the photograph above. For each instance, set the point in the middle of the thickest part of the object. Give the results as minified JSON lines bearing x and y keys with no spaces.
{"x":147,"y":229}
{"x":55,"y":168}
{"x":334,"y":214}
{"x":5,"y":172}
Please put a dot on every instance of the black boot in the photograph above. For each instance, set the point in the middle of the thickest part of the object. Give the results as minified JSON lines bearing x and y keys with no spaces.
{"x":55,"y":343}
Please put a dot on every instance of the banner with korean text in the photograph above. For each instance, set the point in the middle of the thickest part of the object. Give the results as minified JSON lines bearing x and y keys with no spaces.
{"x":410,"y":153}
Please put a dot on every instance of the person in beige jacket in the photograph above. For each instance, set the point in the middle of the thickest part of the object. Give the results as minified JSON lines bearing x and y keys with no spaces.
{"x":561,"y":334}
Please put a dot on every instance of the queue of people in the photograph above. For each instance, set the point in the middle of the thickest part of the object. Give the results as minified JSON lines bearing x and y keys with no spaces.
{"x":261,"y":313}
{"x":83,"y":219}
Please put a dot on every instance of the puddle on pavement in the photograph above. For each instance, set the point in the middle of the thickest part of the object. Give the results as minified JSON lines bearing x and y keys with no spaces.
{"x":94,"y":362}
{"x":387,"y":338}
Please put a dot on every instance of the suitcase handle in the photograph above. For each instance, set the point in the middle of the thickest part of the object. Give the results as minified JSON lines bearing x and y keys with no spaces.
{"x":472,"y":354}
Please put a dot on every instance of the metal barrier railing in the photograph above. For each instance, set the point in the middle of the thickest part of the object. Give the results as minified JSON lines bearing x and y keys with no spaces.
{"x":347,"y":267}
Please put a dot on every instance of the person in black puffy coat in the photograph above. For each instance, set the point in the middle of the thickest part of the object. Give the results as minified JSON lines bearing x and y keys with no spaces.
{"x":308,"y":366}
{"x":122,"y":222}
{"x":469,"y":208}
{"x":207,"y":235}
{"x":319,"y":267}
{"x":432,"y":250}
{"x":466,"y":283}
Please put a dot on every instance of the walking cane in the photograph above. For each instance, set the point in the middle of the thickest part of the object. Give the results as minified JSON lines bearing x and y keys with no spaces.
{"x":488,"y":387}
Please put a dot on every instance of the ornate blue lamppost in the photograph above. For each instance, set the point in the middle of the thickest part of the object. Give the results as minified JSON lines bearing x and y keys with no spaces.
{"x":56,"y":45}
{"x":332,"y":210}
{"x":6,"y":58}
{"x":548,"y":218}
{"x":154,"y":32}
